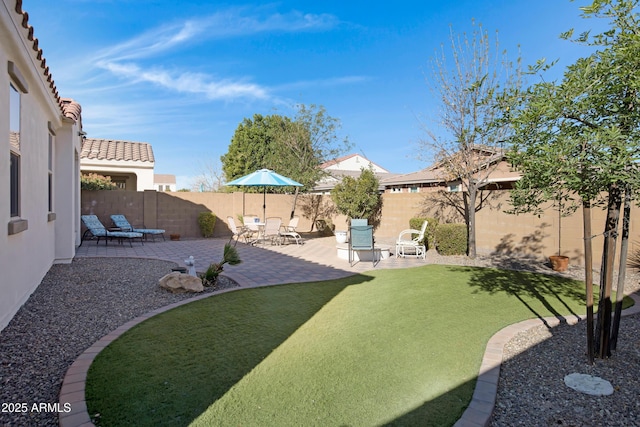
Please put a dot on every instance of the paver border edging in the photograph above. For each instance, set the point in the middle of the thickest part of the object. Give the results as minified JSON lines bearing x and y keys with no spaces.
{"x":479,"y":411}
{"x":72,"y":391}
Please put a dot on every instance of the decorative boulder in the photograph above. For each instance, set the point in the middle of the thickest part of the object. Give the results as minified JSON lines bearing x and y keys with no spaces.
{"x":179,"y":283}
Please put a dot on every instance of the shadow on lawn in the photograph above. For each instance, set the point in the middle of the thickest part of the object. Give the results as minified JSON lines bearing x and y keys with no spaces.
{"x":454,"y":401}
{"x":574,"y":336}
{"x":521,"y":285}
{"x":168,"y":371}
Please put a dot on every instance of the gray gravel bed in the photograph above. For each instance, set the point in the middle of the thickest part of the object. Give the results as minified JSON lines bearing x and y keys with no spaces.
{"x":532,"y":393}
{"x":74,"y":306}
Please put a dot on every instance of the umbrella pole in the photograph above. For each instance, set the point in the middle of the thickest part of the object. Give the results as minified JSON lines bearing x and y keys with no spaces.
{"x":264,"y":204}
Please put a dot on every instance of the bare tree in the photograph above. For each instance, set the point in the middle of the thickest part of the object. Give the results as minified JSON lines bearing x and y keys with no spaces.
{"x":466,"y":140}
{"x":211,"y":177}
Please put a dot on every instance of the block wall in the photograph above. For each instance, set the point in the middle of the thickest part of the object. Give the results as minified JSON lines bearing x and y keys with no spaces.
{"x":497,"y":231}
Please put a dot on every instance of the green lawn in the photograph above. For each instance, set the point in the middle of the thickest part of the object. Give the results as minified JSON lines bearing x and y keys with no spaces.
{"x":392,"y":347}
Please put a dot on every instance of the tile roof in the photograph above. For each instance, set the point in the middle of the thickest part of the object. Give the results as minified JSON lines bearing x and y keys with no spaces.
{"x":437,"y":173}
{"x":70,"y":108}
{"x":43,"y":62}
{"x":430,"y":174}
{"x":109,"y":149}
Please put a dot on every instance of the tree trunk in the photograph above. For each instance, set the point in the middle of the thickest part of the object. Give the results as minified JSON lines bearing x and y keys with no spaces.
{"x":588,"y":274}
{"x":293,"y":204}
{"x":603,"y":331}
{"x":622,"y":269}
{"x":471,"y":219}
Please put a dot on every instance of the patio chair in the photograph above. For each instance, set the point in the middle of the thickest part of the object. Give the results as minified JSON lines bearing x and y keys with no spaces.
{"x":121,"y":222}
{"x":252,"y":227}
{"x":237,"y":231}
{"x":361,"y":239}
{"x":272,"y":230}
{"x":96,"y":229}
{"x":289,"y":231}
{"x":359,"y":221}
{"x":406,"y":245}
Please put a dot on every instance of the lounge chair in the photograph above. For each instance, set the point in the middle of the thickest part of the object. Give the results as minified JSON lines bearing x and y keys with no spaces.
{"x":289,"y":231}
{"x":121,"y":222}
{"x":407,"y":245}
{"x":96,"y":229}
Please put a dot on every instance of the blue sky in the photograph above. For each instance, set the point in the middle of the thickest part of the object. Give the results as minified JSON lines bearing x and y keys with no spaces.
{"x":182,"y":75}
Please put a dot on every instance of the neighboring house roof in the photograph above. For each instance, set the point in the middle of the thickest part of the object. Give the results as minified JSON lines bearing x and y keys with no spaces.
{"x":428,"y":175}
{"x":164,"y":178}
{"x":113,"y":150}
{"x":352,"y":162}
{"x":349,"y":165}
{"x":437,"y":173}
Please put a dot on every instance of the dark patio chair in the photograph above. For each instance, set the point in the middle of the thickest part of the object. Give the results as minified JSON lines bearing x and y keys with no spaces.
{"x":361,"y":239}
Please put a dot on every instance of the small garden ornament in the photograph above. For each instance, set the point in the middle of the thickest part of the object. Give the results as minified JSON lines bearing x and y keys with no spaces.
{"x":191,"y":263}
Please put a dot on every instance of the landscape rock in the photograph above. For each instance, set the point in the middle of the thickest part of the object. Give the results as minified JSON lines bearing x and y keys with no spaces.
{"x":179,"y":283}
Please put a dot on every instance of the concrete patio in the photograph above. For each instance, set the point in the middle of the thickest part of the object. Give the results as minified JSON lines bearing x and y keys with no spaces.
{"x":262,"y":265}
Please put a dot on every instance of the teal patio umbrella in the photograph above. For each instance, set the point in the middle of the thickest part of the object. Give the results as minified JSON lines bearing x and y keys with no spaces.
{"x":264,"y":178}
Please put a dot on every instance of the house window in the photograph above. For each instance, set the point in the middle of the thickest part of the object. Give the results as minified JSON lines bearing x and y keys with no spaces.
{"x":14,"y":139}
{"x":15,"y":184}
{"x":50,"y":174}
{"x":413,"y":189}
{"x":396,"y":189}
{"x":120,"y":183}
{"x":454,"y":188}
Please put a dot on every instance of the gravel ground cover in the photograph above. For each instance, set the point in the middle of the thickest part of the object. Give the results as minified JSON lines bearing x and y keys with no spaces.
{"x":78,"y":303}
{"x":532,"y":392}
{"x":74,"y":306}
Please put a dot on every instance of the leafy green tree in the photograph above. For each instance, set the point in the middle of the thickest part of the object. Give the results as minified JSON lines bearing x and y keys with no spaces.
{"x":252,"y":146}
{"x":359,"y":197}
{"x":576,"y":141}
{"x":467,"y":138}
{"x":311,"y":139}
{"x":292,"y":147}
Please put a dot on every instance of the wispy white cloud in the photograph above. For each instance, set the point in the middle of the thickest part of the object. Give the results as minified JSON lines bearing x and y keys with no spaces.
{"x":230,"y":23}
{"x":187,"y":82}
{"x":121,"y":60}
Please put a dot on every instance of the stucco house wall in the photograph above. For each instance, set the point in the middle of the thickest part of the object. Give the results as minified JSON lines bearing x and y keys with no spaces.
{"x":37,"y":237}
{"x":164,"y":182}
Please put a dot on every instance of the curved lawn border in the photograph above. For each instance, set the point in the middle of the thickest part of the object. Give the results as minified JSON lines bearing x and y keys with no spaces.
{"x":478,"y":413}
